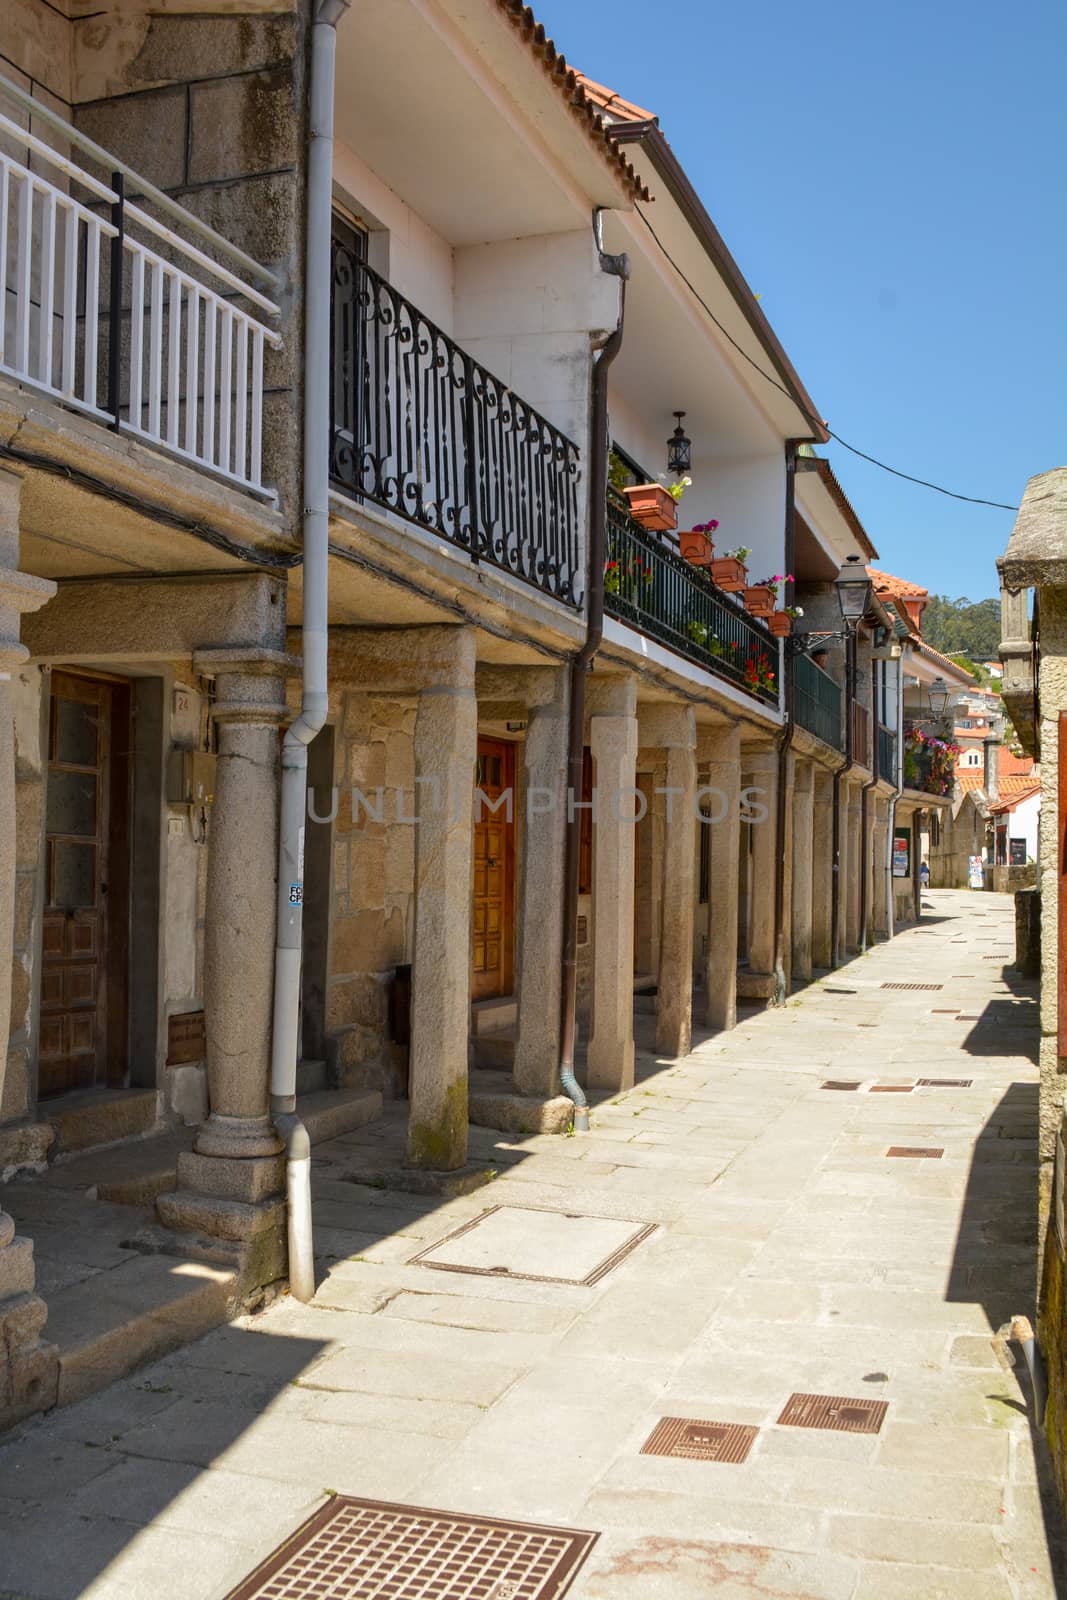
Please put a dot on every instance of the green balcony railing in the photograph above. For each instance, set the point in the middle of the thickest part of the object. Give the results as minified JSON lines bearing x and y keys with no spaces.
{"x":650,"y":587}
{"x":817,"y":702}
{"x":887,"y":753}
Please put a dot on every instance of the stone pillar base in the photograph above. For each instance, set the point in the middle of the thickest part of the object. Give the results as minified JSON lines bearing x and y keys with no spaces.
{"x":234,"y":1212}
{"x":520,"y":1114}
{"x":29,"y":1368}
{"x":243,"y":1138}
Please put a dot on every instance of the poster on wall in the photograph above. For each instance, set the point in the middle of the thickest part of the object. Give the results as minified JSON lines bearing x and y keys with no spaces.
{"x":976,"y":873}
{"x":1017,"y":852}
{"x":902,"y":853}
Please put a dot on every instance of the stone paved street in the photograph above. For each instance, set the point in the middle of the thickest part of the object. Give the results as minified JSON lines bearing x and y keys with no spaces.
{"x":788,"y":1254}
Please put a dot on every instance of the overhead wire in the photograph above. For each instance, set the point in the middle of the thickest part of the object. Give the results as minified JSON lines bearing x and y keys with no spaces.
{"x":974,"y":500}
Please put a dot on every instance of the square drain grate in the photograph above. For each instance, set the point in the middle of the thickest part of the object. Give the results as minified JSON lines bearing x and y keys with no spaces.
{"x":729,"y":1442}
{"x":370,"y":1550}
{"x":926,"y":987}
{"x":536,"y":1243}
{"x":839,"y":1083}
{"x":834,"y":1411}
{"x":945,"y":1083}
{"x":890,"y":1088}
{"x":916,"y":1152}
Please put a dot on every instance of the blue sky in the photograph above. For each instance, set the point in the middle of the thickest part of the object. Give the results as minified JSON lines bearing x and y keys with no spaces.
{"x":890,"y":181}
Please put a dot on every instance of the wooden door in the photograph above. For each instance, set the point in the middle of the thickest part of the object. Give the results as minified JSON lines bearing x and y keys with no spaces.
{"x":83,"y":968}
{"x":493,"y":910}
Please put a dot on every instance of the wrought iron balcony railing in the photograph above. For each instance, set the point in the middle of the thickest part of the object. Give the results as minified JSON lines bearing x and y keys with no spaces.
{"x":861,"y":734}
{"x":887,"y":753}
{"x":649,"y":586}
{"x":117,"y":313}
{"x":817,"y":702}
{"x":421,"y":428}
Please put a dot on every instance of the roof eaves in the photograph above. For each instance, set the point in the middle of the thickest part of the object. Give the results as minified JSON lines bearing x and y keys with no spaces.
{"x":573,"y":92}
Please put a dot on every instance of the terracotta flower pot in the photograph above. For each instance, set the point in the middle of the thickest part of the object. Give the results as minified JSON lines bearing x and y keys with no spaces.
{"x":729,"y":574}
{"x":697,"y":548}
{"x":780,"y":624}
{"x":652,"y":506}
{"x":759,"y":600}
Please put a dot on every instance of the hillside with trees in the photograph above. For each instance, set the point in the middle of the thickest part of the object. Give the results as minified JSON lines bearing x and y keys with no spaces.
{"x":963,"y":627}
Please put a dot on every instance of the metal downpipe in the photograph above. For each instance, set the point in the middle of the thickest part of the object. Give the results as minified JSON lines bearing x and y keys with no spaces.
{"x":845,"y":767}
{"x":787,"y":705}
{"x":598,"y":516}
{"x":890,"y":909}
{"x":314,"y":701}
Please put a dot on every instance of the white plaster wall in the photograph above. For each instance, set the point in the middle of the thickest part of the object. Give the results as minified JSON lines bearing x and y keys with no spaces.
{"x":404,"y":248}
{"x":1025,"y":823}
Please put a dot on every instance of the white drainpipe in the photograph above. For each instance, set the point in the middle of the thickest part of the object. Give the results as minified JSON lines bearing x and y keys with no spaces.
{"x":314,"y":700}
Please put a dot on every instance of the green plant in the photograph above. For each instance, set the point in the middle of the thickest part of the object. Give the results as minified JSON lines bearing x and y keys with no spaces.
{"x":741,"y":554}
{"x":676,"y":490}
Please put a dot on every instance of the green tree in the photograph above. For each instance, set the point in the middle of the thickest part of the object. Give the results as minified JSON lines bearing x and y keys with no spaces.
{"x":962,"y":626}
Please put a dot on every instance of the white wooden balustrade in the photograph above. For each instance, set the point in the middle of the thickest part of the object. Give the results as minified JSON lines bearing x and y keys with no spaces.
{"x":109,"y":310}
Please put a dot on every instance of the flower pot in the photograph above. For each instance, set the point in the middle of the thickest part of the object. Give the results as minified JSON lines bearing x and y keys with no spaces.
{"x":780,"y":624}
{"x":652,"y":506}
{"x":697,"y":548}
{"x":759,"y":600}
{"x":728,"y":574}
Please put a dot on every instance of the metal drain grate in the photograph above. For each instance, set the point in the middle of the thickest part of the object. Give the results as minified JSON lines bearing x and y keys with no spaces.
{"x":945,"y":1083}
{"x":536,"y":1243}
{"x":728,"y":1442}
{"x":838,"y":1083}
{"x":944,"y":1011}
{"x":834,"y":1411}
{"x":916,"y":1151}
{"x":890,"y":1088}
{"x":370,"y":1550}
{"x":914,"y":986}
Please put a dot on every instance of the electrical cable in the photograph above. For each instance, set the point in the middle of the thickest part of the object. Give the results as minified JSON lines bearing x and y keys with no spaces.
{"x":974,"y":500}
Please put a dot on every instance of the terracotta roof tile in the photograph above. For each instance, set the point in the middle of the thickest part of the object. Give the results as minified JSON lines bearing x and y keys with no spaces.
{"x":609,"y":101}
{"x":901,"y":586}
{"x":969,"y":781}
{"x":1015,"y":797}
{"x":571,"y":86}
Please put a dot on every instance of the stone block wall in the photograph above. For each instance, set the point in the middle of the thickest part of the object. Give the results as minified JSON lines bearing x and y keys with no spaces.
{"x":373,"y":885}
{"x":29,"y":813}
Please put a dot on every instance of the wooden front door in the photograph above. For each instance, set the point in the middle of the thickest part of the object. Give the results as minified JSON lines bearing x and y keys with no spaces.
{"x":83,"y":968}
{"x":493,"y":911}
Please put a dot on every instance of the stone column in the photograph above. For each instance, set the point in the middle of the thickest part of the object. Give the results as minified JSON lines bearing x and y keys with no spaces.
{"x":241,"y":888}
{"x":857,"y":866}
{"x":720,"y":799}
{"x":822,"y":866}
{"x":613,"y":741}
{"x":879,"y":917}
{"x":841,"y":873}
{"x":541,"y":892}
{"x":673,"y":730}
{"x":446,"y":747}
{"x":802,"y":876}
{"x":763,"y":770}
{"x":28,"y":1368}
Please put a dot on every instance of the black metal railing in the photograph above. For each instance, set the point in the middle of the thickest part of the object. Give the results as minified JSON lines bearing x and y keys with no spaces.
{"x":649,"y":586}
{"x":817,"y":702}
{"x":861,"y":734}
{"x":887,"y":753}
{"x":421,"y":428}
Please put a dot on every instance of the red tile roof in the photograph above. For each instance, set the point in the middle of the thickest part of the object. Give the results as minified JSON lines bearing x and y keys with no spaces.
{"x":625,"y":110}
{"x":1015,"y":798}
{"x":901,"y":586}
{"x":1011,"y":785}
{"x":572,"y":88}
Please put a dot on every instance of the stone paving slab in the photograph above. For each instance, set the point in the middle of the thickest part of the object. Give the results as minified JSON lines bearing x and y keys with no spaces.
{"x":788,"y":1254}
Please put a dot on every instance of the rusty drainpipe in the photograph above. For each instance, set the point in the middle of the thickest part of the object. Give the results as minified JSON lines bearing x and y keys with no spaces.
{"x":618,"y":266}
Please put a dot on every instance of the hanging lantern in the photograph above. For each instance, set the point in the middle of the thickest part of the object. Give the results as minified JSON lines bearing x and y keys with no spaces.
{"x":678,"y":448}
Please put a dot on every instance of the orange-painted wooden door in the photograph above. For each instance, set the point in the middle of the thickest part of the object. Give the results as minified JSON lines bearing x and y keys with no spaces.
{"x":493,"y":910}
{"x":82,"y":1014}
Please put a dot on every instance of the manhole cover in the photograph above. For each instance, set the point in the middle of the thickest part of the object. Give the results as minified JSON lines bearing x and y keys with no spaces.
{"x":701,"y":1441}
{"x":916,"y":1151}
{"x":536,"y":1243}
{"x":928,"y":987}
{"x":838,"y":1083}
{"x":834,"y":1411}
{"x":890,"y":1088}
{"x":370,"y":1550}
{"x":945,"y":1083}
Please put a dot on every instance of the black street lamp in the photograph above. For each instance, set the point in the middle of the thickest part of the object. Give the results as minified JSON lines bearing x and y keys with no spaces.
{"x":679,"y":448}
{"x":938,"y":694}
{"x":854,"y":589}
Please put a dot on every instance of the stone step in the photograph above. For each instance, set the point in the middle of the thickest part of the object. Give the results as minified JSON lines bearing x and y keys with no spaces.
{"x":312,"y":1077}
{"x":130,"y":1174}
{"x":100,"y":1117}
{"x":489,"y":1016}
{"x":492,"y":1052}
{"x":331,"y":1112}
{"x":136,"y":1312}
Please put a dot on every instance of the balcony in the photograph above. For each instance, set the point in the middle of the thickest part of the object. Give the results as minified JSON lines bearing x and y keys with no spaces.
{"x":929,"y":763}
{"x":887,"y":753}
{"x":861,"y":734}
{"x":120,"y":315}
{"x":650,"y":587}
{"x":817,"y":702}
{"x":422,"y":429}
